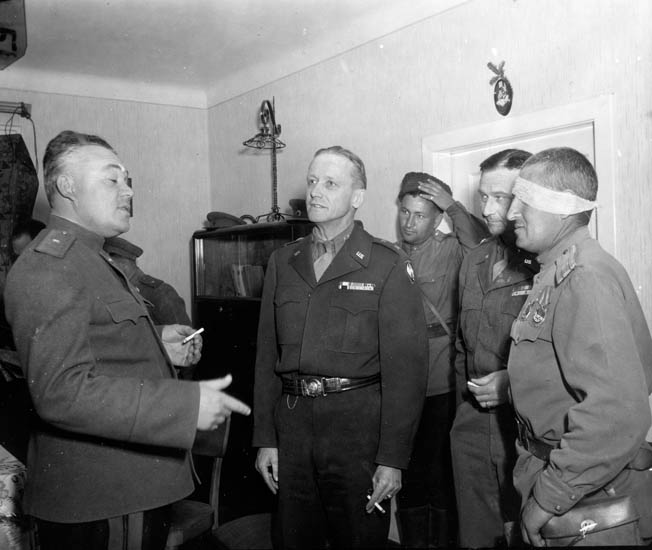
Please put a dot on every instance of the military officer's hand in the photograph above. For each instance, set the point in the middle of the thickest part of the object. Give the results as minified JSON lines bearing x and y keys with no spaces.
{"x":181,"y":355}
{"x":533,"y":518}
{"x":491,"y":390}
{"x":432,"y":191}
{"x":215,"y":406}
{"x":386,"y":483}
{"x":267,"y":466}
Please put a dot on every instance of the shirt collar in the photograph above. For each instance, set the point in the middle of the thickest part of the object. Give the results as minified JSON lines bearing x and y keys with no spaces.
{"x":335,"y":244}
{"x":549,"y":256}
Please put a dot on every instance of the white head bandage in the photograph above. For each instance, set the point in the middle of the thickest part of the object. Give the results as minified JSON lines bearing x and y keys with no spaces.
{"x":548,"y":200}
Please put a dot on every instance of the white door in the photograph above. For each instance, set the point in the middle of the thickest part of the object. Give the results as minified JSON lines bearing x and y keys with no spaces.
{"x":455,"y":156}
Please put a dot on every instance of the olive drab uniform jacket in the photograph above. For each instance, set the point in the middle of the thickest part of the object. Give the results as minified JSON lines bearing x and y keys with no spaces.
{"x":488,"y":308}
{"x":114,"y":425}
{"x":580,"y":368}
{"x":364,"y":317}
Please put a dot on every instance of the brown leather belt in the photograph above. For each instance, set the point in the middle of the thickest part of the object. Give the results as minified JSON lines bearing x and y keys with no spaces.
{"x":641,"y":461}
{"x":315,"y":386}
{"x":538,"y":448}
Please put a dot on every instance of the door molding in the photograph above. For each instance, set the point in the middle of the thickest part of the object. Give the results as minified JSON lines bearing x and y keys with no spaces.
{"x":438,"y":150}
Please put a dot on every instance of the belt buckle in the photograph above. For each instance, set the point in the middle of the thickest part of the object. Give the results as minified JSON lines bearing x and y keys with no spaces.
{"x":313,"y":387}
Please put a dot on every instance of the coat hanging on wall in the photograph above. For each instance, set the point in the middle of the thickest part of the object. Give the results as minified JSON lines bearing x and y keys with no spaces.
{"x":13,"y":32}
{"x":18,"y":188}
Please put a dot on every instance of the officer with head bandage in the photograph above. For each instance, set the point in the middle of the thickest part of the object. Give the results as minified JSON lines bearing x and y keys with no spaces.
{"x":580,"y":365}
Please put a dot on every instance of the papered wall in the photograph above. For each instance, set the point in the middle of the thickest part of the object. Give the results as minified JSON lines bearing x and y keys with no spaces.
{"x":381,"y":99}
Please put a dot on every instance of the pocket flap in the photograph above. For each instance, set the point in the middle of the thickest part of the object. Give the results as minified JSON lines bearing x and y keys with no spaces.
{"x":126,"y":310}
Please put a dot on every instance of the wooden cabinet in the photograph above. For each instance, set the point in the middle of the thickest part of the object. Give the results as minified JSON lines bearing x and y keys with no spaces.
{"x":227,"y":283}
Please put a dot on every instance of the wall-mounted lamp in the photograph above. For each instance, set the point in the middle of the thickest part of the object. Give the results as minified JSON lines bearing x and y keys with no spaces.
{"x":267,"y":138}
{"x":16,"y":108}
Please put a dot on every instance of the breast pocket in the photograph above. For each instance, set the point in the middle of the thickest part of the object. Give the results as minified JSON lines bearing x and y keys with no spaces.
{"x":125,"y":310}
{"x":510,"y":307}
{"x":290,"y":307}
{"x":353,"y":322}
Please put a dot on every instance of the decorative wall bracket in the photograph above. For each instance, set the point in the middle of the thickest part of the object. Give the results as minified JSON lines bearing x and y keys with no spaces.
{"x":503,"y":93}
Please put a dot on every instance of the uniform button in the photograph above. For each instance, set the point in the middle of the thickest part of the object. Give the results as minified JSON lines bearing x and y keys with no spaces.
{"x":573,"y":497}
{"x":558,"y":508}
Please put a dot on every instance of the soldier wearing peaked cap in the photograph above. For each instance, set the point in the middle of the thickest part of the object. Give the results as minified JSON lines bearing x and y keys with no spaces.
{"x":580,"y":367}
{"x":494,"y":281}
{"x":340,"y":369}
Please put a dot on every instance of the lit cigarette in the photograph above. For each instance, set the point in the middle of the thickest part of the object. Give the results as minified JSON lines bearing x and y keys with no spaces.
{"x":378,"y":506}
{"x":191,"y":336}
{"x":472,"y":384}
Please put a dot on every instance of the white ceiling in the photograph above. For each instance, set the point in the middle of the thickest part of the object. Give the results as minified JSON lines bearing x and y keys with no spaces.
{"x":193,"y":52}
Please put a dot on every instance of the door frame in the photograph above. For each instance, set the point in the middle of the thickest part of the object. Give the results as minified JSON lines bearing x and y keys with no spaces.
{"x":438,"y":150}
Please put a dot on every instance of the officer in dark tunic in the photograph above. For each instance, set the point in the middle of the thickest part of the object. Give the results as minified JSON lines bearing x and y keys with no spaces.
{"x":340,"y":369}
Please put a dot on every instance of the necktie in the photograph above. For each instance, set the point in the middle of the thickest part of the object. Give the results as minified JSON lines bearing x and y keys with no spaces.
{"x":500,"y":263}
{"x":325,"y":255}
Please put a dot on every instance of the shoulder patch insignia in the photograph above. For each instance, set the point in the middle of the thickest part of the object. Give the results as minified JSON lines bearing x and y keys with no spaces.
{"x":56,"y":243}
{"x":410,"y":271}
{"x":565,"y":264}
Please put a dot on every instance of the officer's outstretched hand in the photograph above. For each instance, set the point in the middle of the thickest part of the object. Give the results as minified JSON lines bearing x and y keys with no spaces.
{"x":181,"y":354}
{"x":386,"y":483}
{"x":267,"y":466}
{"x":490,"y":390}
{"x":215,"y":406}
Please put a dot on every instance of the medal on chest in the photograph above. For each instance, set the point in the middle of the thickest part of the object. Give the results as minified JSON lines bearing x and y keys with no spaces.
{"x":534,"y":311}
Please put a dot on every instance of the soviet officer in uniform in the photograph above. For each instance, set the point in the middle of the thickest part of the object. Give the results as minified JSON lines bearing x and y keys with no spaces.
{"x":580,"y":365}
{"x":340,"y":369}
{"x":110,"y":450}
{"x":495,"y":279}
{"x":426,"y":505}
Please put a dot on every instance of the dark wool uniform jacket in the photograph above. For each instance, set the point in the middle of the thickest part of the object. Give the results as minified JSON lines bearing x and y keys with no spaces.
{"x":487,"y":310}
{"x":114,"y":425}
{"x":362,"y":318}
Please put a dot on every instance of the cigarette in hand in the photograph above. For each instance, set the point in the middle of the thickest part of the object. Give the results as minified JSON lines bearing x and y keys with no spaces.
{"x":378,"y":506}
{"x":472,"y":384}
{"x":191,"y":336}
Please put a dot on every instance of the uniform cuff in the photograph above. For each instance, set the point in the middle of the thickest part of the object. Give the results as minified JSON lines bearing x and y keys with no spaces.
{"x":553,"y":494}
{"x":455,"y":208}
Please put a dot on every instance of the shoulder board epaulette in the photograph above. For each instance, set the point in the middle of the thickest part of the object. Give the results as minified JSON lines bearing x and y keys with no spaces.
{"x":392,"y":246}
{"x":565,"y":264}
{"x":56,"y":243}
{"x":150,"y":281}
{"x":294,"y":241}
